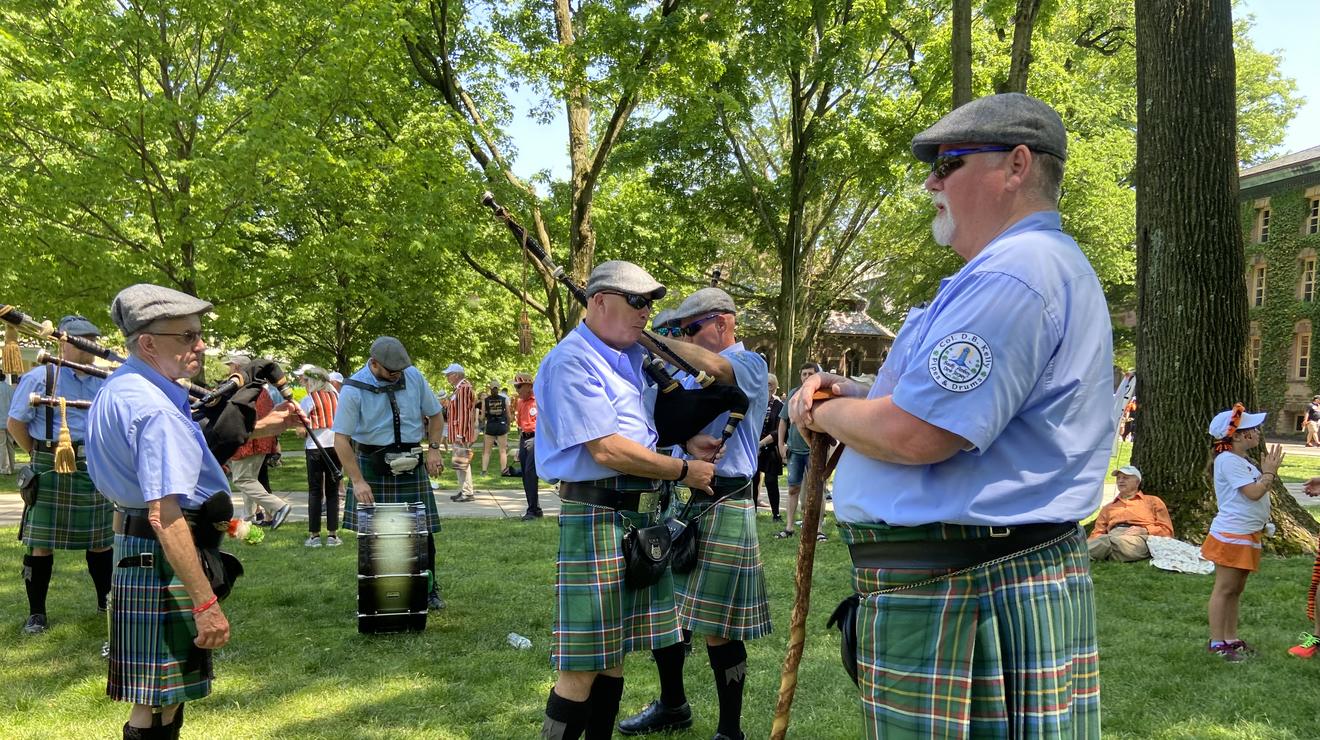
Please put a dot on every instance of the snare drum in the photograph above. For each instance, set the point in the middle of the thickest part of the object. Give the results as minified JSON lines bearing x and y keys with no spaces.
{"x":394,"y":574}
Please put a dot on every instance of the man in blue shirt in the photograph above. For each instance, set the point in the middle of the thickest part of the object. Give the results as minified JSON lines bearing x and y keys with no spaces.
{"x":595,"y":433}
{"x":982,"y":443}
{"x":385,"y":409}
{"x":150,"y":458}
{"x":68,"y":513}
{"x":723,"y":597}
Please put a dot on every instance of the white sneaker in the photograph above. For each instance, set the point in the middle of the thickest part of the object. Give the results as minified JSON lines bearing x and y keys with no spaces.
{"x":313,"y":541}
{"x":333,"y":541}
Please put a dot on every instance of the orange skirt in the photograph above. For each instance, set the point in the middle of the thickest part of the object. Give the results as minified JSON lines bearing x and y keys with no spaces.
{"x":1233,"y":550}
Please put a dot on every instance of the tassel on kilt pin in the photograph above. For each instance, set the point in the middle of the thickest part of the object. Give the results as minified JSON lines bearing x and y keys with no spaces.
{"x":66,"y":461}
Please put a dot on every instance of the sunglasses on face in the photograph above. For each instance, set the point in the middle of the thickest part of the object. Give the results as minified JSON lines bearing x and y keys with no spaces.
{"x":949,"y":162}
{"x":634,"y":301}
{"x":692,"y":329}
{"x":669,"y":331}
{"x":189,"y":337}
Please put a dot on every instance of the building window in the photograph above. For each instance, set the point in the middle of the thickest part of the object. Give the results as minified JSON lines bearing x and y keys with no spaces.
{"x":1262,"y":225}
{"x":1298,"y":419}
{"x":1258,"y":286}
{"x":1255,"y":356}
{"x":1313,"y":217}
{"x":1308,"y":279}
{"x":1303,"y":355}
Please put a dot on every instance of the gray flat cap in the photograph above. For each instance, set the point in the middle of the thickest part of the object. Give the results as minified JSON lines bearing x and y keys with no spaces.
{"x":79,"y":326}
{"x":705,"y":301}
{"x":625,"y":277}
{"x":139,"y":305}
{"x":663,"y":318}
{"x":241,"y":359}
{"x":389,"y":352}
{"x":1009,"y":118}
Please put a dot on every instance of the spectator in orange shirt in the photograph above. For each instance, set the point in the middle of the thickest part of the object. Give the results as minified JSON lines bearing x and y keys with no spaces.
{"x":1124,"y":523}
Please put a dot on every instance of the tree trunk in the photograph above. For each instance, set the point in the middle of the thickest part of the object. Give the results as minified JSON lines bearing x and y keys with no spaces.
{"x":1024,"y":24}
{"x":582,"y":237}
{"x":1191,"y":297}
{"x":961,"y":52}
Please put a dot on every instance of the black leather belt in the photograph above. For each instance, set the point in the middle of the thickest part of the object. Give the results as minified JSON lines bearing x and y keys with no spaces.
{"x":728,"y":488}
{"x":645,"y":502}
{"x":140,"y":526}
{"x":956,"y":554}
{"x":366,"y":449}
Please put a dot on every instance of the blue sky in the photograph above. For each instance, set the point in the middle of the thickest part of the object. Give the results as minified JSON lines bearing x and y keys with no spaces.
{"x":1289,"y":27}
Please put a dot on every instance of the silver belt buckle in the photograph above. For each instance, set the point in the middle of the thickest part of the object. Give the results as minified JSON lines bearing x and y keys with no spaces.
{"x":147,"y":560}
{"x":1000,"y":531}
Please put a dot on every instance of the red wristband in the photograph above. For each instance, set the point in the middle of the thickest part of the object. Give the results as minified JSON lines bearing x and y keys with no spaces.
{"x":210,"y":603}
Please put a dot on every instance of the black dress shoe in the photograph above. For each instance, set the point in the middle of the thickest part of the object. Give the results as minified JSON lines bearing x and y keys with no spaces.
{"x":657,"y":717}
{"x":722,"y":736}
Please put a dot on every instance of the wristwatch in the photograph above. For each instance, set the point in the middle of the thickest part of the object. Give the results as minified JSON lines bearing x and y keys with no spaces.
{"x":434,"y":445}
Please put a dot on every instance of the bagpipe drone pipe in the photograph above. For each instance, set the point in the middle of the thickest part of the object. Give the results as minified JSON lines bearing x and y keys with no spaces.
{"x":680,"y":413}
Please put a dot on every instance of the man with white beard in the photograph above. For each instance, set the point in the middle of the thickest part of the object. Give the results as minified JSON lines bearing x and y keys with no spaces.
{"x":982,"y":443}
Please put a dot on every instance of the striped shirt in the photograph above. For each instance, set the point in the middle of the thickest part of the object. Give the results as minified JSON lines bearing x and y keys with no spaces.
{"x":463,"y":415}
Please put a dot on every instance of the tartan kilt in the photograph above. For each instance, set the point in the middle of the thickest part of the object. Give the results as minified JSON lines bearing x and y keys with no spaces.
{"x":413,"y":487}
{"x":724,"y":595}
{"x":598,"y":620}
{"x":69,"y":513}
{"x":1003,"y":651}
{"x":153,"y":660}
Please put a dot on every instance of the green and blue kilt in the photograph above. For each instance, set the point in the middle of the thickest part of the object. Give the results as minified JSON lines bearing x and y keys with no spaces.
{"x":413,"y":487}
{"x":153,"y":660}
{"x":598,"y":620}
{"x":724,"y":595}
{"x":1004,"y":651}
{"x":69,"y":513}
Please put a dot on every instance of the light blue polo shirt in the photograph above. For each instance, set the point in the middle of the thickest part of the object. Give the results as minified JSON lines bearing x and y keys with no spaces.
{"x":587,"y":390}
{"x":367,"y":419}
{"x":1015,"y":355}
{"x":740,"y":451}
{"x":70,"y":385}
{"x":143,"y":445}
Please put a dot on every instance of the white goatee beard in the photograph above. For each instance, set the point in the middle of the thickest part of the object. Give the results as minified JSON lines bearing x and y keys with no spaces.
{"x":943,"y":226}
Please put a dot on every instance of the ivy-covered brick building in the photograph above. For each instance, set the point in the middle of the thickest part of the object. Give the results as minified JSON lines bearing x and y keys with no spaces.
{"x":1281,"y":218}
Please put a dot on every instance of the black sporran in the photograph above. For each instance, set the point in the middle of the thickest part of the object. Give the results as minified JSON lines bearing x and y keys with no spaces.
{"x":27,"y":485}
{"x":683,"y":557}
{"x":845,"y":618}
{"x":645,"y":555}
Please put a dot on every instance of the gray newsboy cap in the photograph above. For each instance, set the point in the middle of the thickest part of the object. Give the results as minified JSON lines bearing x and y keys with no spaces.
{"x":139,"y":305}
{"x":78,"y":326}
{"x":242,"y":359}
{"x":704,"y":301}
{"x":663,"y":318}
{"x":624,"y":277}
{"x":389,"y":352}
{"x":1008,"y":118}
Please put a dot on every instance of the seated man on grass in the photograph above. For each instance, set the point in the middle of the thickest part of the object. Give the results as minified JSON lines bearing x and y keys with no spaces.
{"x":1124,"y":523}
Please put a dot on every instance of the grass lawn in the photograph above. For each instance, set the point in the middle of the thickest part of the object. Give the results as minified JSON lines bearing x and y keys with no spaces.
{"x":297,"y":667}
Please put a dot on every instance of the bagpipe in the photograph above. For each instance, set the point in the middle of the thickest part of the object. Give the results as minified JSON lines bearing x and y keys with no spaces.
{"x":227,"y":413}
{"x":680,"y":413}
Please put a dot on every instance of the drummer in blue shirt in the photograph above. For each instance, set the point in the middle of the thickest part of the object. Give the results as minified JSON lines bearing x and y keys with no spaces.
{"x":982,"y":443}
{"x":149,"y":457}
{"x":595,"y":433}
{"x":67,"y":513}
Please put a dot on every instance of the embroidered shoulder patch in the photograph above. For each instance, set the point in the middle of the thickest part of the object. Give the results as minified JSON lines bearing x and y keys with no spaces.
{"x":960,"y":362}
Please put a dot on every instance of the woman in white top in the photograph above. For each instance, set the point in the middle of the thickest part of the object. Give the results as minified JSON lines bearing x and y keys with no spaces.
{"x":1233,"y":545}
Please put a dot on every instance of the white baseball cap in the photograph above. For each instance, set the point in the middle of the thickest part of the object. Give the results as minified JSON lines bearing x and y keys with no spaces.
{"x":336,"y":376}
{"x":1219,"y":425}
{"x":1128,"y":470}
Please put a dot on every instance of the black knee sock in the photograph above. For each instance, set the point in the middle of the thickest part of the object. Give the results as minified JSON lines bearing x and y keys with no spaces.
{"x":177,"y":725}
{"x":564,"y":719}
{"x":669,"y":661}
{"x":100,"y":566}
{"x":36,"y":576}
{"x":603,"y":706}
{"x":729,"y":663}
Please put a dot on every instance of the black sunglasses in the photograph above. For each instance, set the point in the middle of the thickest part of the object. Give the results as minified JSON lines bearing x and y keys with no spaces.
{"x":635,"y":301}
{"x":669,"y":331}
{"x":692,"y":329}
{"x":189,"y":337}
{"x":949,"y":162}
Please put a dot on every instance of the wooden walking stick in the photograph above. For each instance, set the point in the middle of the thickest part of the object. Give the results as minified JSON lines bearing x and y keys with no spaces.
{"x":818,"y":469}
